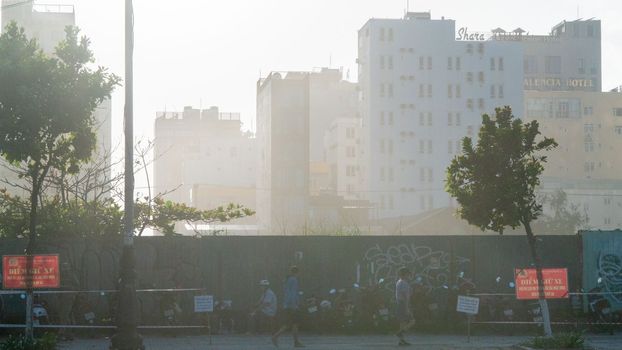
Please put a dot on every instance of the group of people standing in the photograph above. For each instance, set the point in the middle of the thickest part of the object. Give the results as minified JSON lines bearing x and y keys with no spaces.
{"x":266,"y":308}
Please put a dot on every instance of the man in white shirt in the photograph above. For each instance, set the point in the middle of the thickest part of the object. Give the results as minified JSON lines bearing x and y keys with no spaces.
{"x":265,"y":310}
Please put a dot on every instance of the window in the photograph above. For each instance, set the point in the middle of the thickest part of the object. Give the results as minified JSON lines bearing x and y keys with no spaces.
{"x":480,"y":77}
{"x":450,"y":91}
{"x":607,"y":221}
{"x":430,"y":175}
{"x":590,"y":30}
{"x":500,"y":91}
{"x":501,"y":63}
{"x":381,"y":118}
{"x":421,"y":90}
{"x":458,"y":146}
{"x":382,"y":147}
{"x":422,"y":174}
{"x":470,"y":103}
{"x":588,"y":128}
{"x":553,"y":64}
{"x":469,"y":48}
{"x":480,"y":103}
{"x":350,"y":133}
{"x":421,"y":119}
{"x":350,"y":170}
{"x":390,"y":201}
{"x":617,"y":112}
{"x":450,"y":146}
{"x":390,"y":62}
{"x":492,"y":91}
{"x":382,"y":174}
{"x":530,"y":64}
{"x":607,"y":201}
{"x":588,"y":110}
{"x":233,"y":152}
{"x":421,"y":146}
{"x":581,"y":66}
{"x":390,"y":90}
{"x":618,"y":129}
{"x":390,"y":174}
{"x":390,"y":148}
{"x":458,"y":91}
{"x":430,"y":147}
{"x":382,"y":65}
{"x":390,"y":118}
{"x":390,"y":36}
{"x":381,"y":34}
{"x":470,"y":130}
{"x":350,"y":153}
{"x":429,"y":62}
{"x":470,"y":77}
{"x":492,"y":63}
{"x":429,"y":90}
{"x":458,"y":121}
{"x":589,"y":146}
{"x":382,"y":92}
{"x":421,"y":62}
{"x":457,"y":63}
{"x":450,"y":61}
{"x":450,"y":119}
{"x":429,"y":118}
{"x":480,"y":48}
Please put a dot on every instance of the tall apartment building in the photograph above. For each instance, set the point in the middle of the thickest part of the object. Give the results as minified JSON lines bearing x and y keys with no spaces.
{"x":294,"y":111}
{"x":587,"y":166}
{"x":203,"y":159}
{"x":283,"y":152}
{"x":47,"y":24}
{"x":421,"y":91}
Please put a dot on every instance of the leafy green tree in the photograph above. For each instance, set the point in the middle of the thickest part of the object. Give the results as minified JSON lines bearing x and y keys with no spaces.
{"x":46,"y":111}
{"x":495,"y":181}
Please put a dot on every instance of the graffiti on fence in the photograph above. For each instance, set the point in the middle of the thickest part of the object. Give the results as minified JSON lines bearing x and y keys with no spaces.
{"x":432,"y":269}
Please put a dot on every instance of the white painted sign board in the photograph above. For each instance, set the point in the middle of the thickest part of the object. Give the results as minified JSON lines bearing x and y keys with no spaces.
{"x":204,"y":303}
{"x":468,"y":305}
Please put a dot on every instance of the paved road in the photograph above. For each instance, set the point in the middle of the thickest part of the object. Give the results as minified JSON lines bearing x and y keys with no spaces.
{"x":431,"y":342}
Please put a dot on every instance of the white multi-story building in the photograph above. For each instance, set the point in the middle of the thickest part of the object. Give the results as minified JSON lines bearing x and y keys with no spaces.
{"x":341,"y":146}
{"x":202,"y":158}
{"x":421,"y":91}
{"x":47,"y":24}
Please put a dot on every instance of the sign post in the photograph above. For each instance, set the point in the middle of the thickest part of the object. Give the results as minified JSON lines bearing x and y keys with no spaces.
{"x":555,"y":283}
{"x":469,"y":306}
{"x":205,"y":304}
{"x":44,"y":272}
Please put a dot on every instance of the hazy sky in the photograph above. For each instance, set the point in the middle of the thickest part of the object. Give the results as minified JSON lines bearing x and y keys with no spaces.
{"x":211,"y":52}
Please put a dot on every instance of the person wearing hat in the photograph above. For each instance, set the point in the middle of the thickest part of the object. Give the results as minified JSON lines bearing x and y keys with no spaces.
{"x":265,"y":309}
{"x":403,"y":293}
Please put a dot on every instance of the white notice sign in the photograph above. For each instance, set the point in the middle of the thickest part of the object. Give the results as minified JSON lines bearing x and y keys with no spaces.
{"x":204,"y":303}
{"x":468,"y":305}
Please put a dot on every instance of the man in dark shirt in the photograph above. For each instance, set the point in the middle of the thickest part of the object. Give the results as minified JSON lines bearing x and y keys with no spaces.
{"x":291,"y":308}
{"x":403,"y":293}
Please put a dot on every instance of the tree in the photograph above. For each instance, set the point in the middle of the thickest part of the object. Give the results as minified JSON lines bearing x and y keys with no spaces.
{"x":495,"y":181}
{"x":565,"y":217}
{"x":46,"y":112}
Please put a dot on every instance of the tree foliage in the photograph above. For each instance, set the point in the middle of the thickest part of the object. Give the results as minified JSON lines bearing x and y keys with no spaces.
{"x":564,"y":217}
{"x":495,"y":181}
{"x":46,"y":112}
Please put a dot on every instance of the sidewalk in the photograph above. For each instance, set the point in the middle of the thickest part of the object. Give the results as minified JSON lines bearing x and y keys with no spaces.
{"x":432,"y":342}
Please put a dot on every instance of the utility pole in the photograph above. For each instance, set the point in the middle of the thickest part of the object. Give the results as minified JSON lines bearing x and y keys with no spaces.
{"x":127,"y":337}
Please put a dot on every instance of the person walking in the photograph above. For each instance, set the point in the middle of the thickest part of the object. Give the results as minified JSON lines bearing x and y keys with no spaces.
{"x":403,"y":293}
{"x":291,"y":309}
{"x":265,"y":309}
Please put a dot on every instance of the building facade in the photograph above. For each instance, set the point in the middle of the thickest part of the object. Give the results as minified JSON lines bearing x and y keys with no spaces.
{"x":586,"y":164}
{"x":421,"y":91}
{"x":203,"y":159}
